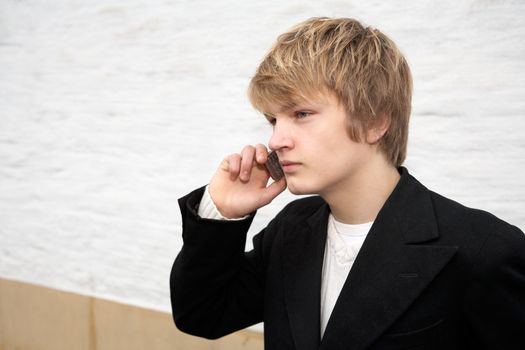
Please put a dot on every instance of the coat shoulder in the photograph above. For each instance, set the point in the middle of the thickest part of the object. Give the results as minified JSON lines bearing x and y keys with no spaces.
{"x":482,"y":236}
{"x":452,"y":213}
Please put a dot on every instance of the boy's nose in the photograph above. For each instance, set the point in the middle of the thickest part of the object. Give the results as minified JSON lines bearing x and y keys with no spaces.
{"x":280,"y":138}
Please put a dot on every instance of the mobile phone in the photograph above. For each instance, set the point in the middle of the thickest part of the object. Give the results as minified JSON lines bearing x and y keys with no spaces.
{"x":273,"y":166}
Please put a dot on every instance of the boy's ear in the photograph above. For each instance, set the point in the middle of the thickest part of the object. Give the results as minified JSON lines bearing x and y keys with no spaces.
{"x":378,"y":130}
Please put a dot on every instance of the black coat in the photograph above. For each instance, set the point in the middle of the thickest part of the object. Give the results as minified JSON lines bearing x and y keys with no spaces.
{"x":431,"y":274}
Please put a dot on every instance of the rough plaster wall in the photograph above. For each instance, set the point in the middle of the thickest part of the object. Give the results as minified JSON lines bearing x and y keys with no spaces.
{"x":111,"y":110}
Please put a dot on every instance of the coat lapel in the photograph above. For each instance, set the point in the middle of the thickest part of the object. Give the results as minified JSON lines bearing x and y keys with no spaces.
{"x":302,"y":268}
{"x":392,"y":268}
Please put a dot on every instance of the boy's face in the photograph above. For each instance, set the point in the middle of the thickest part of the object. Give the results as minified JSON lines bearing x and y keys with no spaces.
{"x":315,"y":150}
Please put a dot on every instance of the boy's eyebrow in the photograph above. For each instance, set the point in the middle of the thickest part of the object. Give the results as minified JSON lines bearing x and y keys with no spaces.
{"x":281,"y":109}
{"x":292,"y":106}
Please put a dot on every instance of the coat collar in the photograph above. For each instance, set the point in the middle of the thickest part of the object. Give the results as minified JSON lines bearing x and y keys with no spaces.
{"x":392,"y":268}
{"x":302,"y":266}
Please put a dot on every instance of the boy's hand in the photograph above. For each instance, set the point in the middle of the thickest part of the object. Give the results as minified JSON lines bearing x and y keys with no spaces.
{"x":240,"y":185}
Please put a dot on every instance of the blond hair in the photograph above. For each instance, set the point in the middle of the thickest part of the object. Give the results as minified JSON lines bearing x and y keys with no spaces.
{"x":360,"y":65}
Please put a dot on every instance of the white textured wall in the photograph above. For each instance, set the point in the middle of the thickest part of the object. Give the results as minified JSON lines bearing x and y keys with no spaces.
{"x":111,"y":110}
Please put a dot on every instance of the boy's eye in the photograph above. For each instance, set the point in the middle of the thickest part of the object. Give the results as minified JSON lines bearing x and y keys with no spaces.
{"x":302,"y":114}
{"x":270,"y":120}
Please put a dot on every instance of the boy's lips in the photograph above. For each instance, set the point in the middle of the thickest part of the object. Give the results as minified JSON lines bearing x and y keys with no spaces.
{"x":289,"y":166}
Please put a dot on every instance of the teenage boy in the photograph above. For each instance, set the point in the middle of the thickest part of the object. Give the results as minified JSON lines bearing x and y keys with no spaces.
{"x":375,"y":260}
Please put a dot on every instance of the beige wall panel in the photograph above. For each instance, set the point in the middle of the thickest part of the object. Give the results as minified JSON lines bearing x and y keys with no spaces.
{"x":126,"y":327}
{"x":33,"y":317}
{"x":38,"y":318}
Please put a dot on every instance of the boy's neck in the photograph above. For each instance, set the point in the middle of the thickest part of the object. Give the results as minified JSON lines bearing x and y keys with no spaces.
{"x":359,"y":200}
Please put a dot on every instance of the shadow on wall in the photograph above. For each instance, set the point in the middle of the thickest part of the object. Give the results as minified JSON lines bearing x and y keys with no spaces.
{"x":40,"y":318}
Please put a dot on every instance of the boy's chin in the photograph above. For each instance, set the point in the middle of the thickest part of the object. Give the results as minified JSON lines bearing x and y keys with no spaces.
{"x":299,"y":190}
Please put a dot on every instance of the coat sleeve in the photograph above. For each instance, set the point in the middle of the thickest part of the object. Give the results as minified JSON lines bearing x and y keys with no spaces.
{"x":495,"y":299}
{"x":216,"y":288}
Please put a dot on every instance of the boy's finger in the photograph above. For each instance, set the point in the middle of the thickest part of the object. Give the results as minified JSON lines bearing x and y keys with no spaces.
{"x":234,"y":165}
{"x":261,"y":153}
{"x":273,"y":191}
{"x":225,"y":164}
{"x":248,"y":154}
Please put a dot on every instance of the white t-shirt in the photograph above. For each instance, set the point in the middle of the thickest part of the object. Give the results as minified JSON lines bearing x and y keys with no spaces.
{"x":343,"y":242}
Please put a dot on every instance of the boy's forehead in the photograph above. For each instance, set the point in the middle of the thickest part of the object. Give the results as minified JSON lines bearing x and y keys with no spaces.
{"x":293,"y":102}
{"x":273,"y":108}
